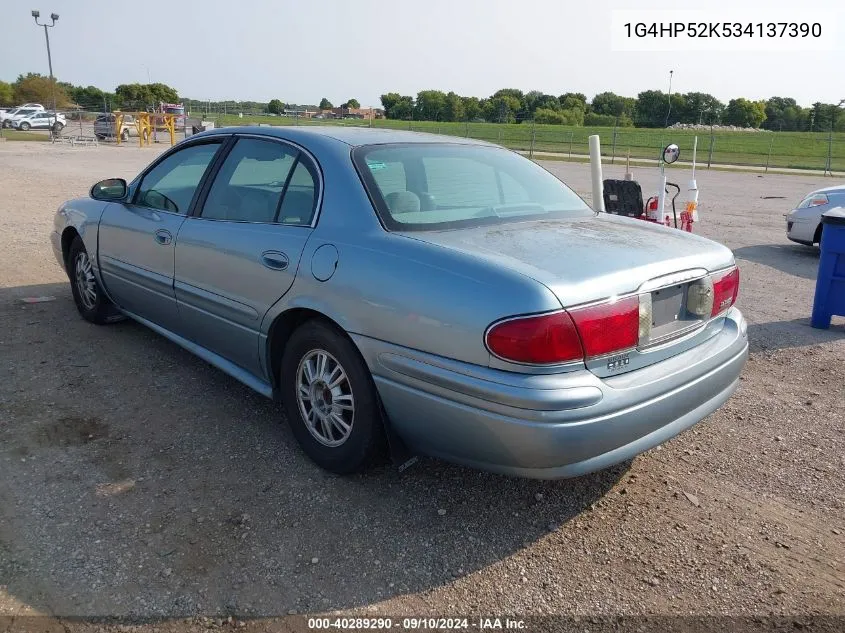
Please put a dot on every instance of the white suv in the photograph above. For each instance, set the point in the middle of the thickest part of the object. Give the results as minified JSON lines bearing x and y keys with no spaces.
{"x":39,"y":121}
{"x":8,"y":117}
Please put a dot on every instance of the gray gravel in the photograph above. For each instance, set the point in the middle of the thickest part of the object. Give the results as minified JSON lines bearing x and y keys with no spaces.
{"x":137,"y":481}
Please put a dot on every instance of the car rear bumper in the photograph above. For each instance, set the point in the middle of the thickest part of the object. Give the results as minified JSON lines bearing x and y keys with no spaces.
{"x":553,"y":426}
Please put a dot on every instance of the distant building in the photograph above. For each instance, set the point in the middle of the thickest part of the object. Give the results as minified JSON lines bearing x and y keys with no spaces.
{"x":352,"y":113}
{"x":302,"y":113}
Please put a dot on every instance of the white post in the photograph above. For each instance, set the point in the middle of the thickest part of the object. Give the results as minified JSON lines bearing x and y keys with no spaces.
{"x":595,"y":170}
{"x":692,"y":188}
{"x":658,"y":214}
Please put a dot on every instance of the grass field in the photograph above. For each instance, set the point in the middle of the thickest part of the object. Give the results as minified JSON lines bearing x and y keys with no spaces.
{"x":798,"y":150}
{"x":17,"y":135}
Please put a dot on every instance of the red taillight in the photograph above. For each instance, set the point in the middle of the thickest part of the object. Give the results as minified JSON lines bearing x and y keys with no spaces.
{"x":725,"y":290}
{"x":608,"y":327}
{"x":561,"y":337}
{"x":543,"y":339}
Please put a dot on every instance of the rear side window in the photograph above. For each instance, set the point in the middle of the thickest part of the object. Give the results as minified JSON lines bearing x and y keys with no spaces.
{"x":450,"y":185}
{"x":263,"y":181}
{"x":814,"y":200}
{"x":250,"y":182}
{"x":300,"y":199}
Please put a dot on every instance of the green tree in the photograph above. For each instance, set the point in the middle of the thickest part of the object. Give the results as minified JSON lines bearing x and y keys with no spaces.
{"x":744,"y":113}
{"x":88,"y":97}
{"x":548,"y":115}
{"x":573,"y":100}
{"x":352,"y":103}
{"x":573,"y":116}
{"x":700,"y":107}
{"x":536,"y":100}
{"x":608,"y":103}
{"x":325,"y":104}
{"x":783,"y":113}
{"x":454,"y":108}
{"x":397,"y":106}
{"x":35,"y":88}
{"x":472,"y":108}
{"x":502,"y":109}
{"x":275,"y":106}
{"x":651,"y":109}
{"x":144,"y":96}
{"x":7,"y":94}
{"x":431,"y":106}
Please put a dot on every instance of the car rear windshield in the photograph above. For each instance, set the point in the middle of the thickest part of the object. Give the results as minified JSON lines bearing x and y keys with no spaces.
{"x":433,"y":186}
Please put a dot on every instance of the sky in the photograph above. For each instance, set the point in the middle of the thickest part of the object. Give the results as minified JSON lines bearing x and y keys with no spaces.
{"x":299,"y":51}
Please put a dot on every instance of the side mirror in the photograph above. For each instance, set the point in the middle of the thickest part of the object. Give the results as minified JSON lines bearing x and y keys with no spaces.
{"x":109,"y":190}
{"x":671,"y":153}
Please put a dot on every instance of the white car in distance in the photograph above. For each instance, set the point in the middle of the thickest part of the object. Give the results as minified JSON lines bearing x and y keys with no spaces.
{"x":39,"y":121}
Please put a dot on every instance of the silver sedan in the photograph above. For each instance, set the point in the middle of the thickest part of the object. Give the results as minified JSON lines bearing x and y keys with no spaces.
{"x":804,"y":223}
{"x":409,"y":293}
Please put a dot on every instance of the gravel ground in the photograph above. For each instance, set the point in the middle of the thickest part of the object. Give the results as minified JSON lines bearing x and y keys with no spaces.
{"x":138,"y":482}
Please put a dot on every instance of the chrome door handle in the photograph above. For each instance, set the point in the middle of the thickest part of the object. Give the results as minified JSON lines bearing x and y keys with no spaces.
{"x":163,"y":237}
{"x":274,"y":260}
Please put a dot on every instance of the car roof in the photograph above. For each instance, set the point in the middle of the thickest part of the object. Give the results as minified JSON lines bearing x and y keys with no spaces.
{"x":833,"y":189}
{"x":352,"y":136}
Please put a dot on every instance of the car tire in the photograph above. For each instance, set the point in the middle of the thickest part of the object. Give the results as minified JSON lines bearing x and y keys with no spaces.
{"x":58,"y":127}
{"x":88,"y":296}
{"x":316,"y":396}
{"x":24,"y":127}
{"x":100,"y":137}
{"x":124,"y":136}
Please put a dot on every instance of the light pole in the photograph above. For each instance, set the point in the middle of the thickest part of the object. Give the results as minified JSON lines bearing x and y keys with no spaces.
{"x":54,"y":17}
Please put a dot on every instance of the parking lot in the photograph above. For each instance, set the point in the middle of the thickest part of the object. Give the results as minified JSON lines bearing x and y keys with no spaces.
{"x":138,"y":481}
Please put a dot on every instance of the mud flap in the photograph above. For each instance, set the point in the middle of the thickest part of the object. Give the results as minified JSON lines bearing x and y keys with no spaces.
{"x":400,"y":454}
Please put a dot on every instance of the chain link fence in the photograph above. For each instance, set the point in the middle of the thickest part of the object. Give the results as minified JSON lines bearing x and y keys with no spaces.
{"x":764,"y":150}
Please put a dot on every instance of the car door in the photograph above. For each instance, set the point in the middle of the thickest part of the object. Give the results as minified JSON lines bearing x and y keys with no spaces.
{"x":238,"y":253}
{"x":137,"y":238}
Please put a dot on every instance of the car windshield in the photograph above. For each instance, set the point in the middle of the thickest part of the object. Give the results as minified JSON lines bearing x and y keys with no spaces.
{"x":432,"y":186}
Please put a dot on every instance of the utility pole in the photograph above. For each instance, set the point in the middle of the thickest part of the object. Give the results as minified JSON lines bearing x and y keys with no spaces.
{"x":669,"y":109}
{"x":54,"y":17}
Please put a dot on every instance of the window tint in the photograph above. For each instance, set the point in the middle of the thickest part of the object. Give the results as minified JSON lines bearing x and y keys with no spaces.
{"x":248,"y":186}
{"x":170,"y":185}
{"x":300,"y":196}
{"x":448,"y":185}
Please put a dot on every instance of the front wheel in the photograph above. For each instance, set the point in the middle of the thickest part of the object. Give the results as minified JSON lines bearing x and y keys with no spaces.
{"x":90,"y":300}
{"x":124,"y":136}
{"x":330,"y":399}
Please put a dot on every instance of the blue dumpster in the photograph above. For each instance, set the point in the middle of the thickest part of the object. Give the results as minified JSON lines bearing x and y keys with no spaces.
{"x":830,"y":282}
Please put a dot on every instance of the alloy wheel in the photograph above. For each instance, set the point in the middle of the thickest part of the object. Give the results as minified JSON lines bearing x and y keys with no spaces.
{"x":324,"y":396}
{"x":85,"y":282}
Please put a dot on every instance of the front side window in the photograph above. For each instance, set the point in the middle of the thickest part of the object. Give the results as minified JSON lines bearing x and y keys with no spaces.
{"x":424,"y":186}
{"x":171,"y":185}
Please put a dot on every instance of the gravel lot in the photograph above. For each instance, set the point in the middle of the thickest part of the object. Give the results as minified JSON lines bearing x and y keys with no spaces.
{"x":138,"y":482}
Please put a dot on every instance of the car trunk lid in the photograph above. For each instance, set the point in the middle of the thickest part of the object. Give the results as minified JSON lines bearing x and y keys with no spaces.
{"x":595,"y":257}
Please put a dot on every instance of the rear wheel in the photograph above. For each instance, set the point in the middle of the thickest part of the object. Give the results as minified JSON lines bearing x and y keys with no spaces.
{"x":24,"y":126}
{"x":330,"y":399}
{"x":90,"y":300}
{"x":124,"y":136}
{"x":817,"y":238}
